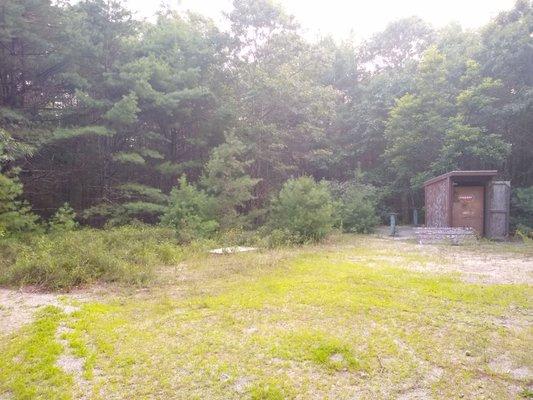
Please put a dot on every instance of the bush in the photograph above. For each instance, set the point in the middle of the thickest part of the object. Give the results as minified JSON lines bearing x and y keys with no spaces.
{"x":522,"y":210}
{"x":357,"y":208}
{"x":303,"y":209}
{"x":68,"y":259}
{"x":191,"y":212}
{"x":64,"y":220}
{"x":15,"y":214}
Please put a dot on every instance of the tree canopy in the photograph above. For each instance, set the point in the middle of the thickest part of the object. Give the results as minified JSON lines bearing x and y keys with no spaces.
{"x":106,"y":113}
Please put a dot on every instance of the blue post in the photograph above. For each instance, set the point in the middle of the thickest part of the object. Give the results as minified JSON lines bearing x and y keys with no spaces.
{"x":415,"y":217}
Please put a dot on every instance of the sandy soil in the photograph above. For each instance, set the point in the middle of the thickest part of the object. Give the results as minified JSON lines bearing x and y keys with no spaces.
{"x":484,"y":268}
{"x":17,"y":307}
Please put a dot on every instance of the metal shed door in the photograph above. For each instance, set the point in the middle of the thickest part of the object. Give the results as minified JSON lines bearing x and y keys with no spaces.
{"x":468,"y":207}
{"x":498,"y":199}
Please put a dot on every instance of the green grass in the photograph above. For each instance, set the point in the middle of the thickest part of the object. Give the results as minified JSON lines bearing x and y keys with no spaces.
{"x":332,"y":321}
{"x":27,"y":365}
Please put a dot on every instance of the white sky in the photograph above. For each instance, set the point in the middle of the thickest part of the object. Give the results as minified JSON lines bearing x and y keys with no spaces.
{"x":351,"y":18}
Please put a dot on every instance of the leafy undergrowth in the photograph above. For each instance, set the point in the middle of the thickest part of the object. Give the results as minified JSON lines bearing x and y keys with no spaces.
{"x":67,"y":259}
{"x":338,"y":321}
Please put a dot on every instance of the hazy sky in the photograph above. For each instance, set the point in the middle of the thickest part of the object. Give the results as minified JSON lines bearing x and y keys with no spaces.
{"x":357,"y":18}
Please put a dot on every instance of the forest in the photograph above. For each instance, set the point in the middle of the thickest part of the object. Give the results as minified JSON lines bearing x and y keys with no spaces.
{"x":106,"y":120}
{"x":192,"y":209}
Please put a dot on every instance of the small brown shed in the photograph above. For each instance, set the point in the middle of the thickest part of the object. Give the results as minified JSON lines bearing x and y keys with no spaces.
{"x":471,"y":199}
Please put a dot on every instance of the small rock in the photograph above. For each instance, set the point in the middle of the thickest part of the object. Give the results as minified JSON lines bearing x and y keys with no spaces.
{"x":468,"y":353}
{"x":336,"y":358}
{"x":224,"y":377}
{"x":241,"y":385}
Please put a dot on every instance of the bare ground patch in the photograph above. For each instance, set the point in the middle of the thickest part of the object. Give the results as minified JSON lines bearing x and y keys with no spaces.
{"x":17,"y":307}
{"x":484,"y":268}
{"x":475,"y":264}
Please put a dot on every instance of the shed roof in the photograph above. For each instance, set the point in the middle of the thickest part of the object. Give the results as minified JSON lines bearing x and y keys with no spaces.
{"x":482,"y":174}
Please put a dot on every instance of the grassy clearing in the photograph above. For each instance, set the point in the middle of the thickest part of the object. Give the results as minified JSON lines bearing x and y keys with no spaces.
{"x":333,"y":321}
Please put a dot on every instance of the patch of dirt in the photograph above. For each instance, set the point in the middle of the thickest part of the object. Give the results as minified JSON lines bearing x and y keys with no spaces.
{"x":484,"y":268}
{"x":242,"y":384}
{"x":17,"y":307}
{"x":415,"y":394}
{"x":336,"y":358}
{"x":504,"y":365}
{"x":71,"y":364}
{"x":495,"y":269}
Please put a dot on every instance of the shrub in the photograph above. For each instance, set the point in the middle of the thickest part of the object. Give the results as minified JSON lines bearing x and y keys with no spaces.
{"x":357,"y":209}
{"x":67,"y":259}
{"x":190,"y":212}
{"x":522,"y":210}
{"x":304,"y":209}
{"x":15,"y":214}
{"x":64,"y":220}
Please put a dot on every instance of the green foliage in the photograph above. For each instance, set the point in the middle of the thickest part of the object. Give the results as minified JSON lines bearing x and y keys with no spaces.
{"x":129,"y":157}
{"x":242,"y":110}
{"x":71,"y":258}
{"x":304,"y":208}
{"x":227,"y":181}
{"x":64,"y":220}
{"x":148,"y":193}
{"x":70,"y":133}
{"x":124,"y":111}
{"x":467,"y":147}
{"x":522,"y":210}
{"x":11,"y":149}
{"x":191,"y":212}
{"x":134,"y":202}
{"x":15,"y":214}
{"x":357,"y":208}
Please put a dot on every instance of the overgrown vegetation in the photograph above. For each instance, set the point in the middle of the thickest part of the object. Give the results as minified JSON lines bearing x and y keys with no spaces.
{"x":522,"y":203}
{"x":191,"y":212}
{"x":303,"y":210}
{"x":356,"y":208}
{"x":15,"y":213}
{"x":64,"y":259}
{"x":105,"y":112}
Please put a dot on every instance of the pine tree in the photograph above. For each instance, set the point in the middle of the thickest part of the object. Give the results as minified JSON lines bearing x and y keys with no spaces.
{"x":227,"y":181}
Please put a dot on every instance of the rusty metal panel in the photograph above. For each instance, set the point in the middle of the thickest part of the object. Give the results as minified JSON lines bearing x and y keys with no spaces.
{"x":468,"y":207}
{"x":498,"y":204}
{"x":437,"y":208}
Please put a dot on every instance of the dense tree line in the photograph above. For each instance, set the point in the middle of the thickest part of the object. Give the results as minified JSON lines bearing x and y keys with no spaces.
{"x":106,"y":113}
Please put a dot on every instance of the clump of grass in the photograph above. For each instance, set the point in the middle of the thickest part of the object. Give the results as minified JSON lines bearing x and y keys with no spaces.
{"x":271,"y":390}
{"x":67,"y":259}
{"x":28,"y":367}
{"x":320,"y":348}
